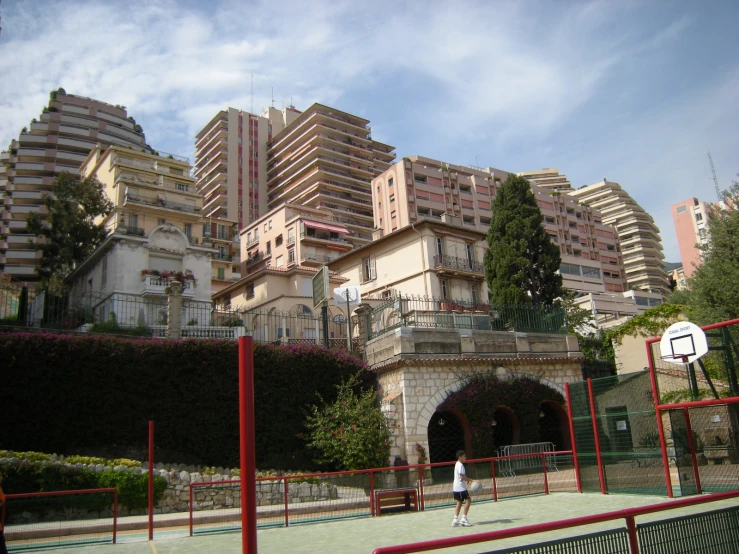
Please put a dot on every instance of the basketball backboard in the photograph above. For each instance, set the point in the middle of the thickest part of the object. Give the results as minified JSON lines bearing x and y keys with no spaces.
{"x":683,"y":342}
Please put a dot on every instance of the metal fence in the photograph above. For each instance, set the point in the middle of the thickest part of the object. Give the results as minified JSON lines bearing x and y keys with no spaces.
{"x":421,"y":311}
{"x":148,"y":316}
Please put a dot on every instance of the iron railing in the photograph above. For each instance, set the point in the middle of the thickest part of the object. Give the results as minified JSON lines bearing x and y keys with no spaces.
{"x":462,"y":264}
{"x":430,"y":312}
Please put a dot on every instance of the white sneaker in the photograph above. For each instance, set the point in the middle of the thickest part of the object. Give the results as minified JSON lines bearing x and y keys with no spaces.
{"x":455,"y":522}
{"x":465,"y":523}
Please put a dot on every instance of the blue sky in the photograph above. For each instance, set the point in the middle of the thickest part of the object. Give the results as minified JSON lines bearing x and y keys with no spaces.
{"x":636,"y":92}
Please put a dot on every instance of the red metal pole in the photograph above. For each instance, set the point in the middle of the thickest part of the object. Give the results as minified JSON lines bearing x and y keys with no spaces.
{"x":286,"y":500}
{"x":420,"y":485}
{"x":372,"y":493}
{"x":691,"y":443}
{"x":598,"y":457}
{"x":631,"y":530}
{"x":248,"y":458}
{"x":546,"y":481}
{"x":658,"y":414}
{"x":573,"y":444}
{"x":495,"y":485}
{"x":151,"y":480}
{"x":191,"y":508}
{"x":115,"y":514}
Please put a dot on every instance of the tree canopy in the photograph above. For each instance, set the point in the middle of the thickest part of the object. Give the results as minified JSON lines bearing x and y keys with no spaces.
{"x":521,"y":262}
{"x":69,"y":230}
{"x":713,"y":292}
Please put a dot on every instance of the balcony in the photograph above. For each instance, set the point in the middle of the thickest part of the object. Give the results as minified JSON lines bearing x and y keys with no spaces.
{"x":457,"y":266}
{"x":154,"y":285}
{"x":162,"y":203}
{"x":316,"y":259}
{"x":223,"y":257}
{"x":324,"y":237}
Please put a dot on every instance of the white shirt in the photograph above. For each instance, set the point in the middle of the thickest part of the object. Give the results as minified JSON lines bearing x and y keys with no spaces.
{"x":459,"y":484}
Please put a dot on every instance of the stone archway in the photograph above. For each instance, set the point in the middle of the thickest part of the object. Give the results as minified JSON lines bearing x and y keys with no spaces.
{"x":554,"y":425}
{"x":506,"y":428}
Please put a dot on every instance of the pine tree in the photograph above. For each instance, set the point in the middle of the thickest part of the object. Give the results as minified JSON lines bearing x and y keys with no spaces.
{"x":70,"y":232}
{"x":521,"y":262}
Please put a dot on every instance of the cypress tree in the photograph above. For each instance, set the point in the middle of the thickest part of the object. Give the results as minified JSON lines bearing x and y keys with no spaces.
{"x":521,"y":262}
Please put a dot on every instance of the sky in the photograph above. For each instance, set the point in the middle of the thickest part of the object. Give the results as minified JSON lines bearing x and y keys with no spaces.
{"x":635,"y":92}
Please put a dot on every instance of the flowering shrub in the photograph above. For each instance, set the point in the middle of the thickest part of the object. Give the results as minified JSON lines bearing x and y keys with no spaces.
{"x":421,"y":453}
{"x":172,"y":275}
{"x":351,"y":432}
{"x":485,"y":392}
{"x":99,"y":392}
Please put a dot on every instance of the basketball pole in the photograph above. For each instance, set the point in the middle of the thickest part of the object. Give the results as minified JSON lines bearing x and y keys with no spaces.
{"x":247,"y":449}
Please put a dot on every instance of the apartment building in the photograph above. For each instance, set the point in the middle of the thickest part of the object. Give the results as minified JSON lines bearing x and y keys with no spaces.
{"x":548,"y":178}
{"x":156,"y":226}
{"x":231,"y":162}
{"x":281,"y":252}
{"x":59,"y":140}
{"x":418,"y":188}
{"x":691,"y":228}
{"x":327,"y":159}
{"x":612,"y":309}
{"x":432,"y":258}
{"x":640,"y":240}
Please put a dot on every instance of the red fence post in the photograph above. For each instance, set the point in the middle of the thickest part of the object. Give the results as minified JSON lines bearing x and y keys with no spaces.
{"x":191,"y":508}
{"x":546,"y":480}
{"x":631,"y":530}
{"x":598,"y":456}
{"x":246,"y":435}
{"x":420,"y":486}
{"x":286,"y":500}
{"x":573,"y":444}
{"x":658,"y":415}
{"x":373,"y":509}
{"x":115,"y":514}
{"x":691,"y":444}
{"x":495,"y":486}
{"x":151,"y":480}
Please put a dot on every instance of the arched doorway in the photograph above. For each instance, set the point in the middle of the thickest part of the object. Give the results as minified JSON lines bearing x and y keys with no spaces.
{"x":506,"y":428}
{"x":446,"y":436}
{"x":553,"y":425}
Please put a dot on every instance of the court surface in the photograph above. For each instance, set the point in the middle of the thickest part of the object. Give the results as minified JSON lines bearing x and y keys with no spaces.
{"x":363,"y":535}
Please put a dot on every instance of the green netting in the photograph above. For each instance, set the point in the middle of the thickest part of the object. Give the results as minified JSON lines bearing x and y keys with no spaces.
{"x":627,"y":433}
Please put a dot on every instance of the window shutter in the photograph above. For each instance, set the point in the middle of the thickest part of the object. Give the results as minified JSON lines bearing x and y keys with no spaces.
{"x":373,"y":270}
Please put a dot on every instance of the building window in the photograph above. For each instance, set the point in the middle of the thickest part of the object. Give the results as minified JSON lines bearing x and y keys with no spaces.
{"x":161,"y":221}
{"x":180,"y":186}
{"x":439,"y":247}
{"x":221,"y":274}
{"x":475,"y":293}
{"x":470,"y":255}
{"x":681,"y":209}
{"x":444,"y":289}
{"x":369,"y":272}
{"x":278,"y":261}
{"x":270,"y":224}
{"x":290,"y":235}
{"x":291,"y":256}
{"x":278,"y":240}
{"x":269,"y":247}
{"x":699,"y":217}
{"x":133,"y":221}
{"x":390,"y":182}
{"x":188,"y":230}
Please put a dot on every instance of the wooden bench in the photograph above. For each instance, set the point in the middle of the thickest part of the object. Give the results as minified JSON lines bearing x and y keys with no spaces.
{"x":396,"y":497}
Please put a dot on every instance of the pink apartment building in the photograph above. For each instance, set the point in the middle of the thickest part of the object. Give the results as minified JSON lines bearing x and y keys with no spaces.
{"x":422,"y":188}
{"x":691,"y":227}
{"x":231,"y":162}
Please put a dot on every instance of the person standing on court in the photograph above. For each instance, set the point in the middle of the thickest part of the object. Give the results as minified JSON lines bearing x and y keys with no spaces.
{"x":459,"y":489}
{"x":3,"y":548}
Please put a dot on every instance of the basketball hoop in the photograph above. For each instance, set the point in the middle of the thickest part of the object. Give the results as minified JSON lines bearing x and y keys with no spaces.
{"x":683,"y":343}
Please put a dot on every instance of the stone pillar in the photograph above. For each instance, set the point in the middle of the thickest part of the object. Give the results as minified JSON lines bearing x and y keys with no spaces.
{"x":364,"y":323}
{"x":174,"y":310}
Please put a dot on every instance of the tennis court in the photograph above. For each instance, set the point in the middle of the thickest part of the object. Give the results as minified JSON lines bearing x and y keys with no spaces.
{"x":363,"y":535}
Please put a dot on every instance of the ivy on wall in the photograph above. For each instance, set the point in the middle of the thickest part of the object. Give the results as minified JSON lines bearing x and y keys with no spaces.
{"x":484,"y":393}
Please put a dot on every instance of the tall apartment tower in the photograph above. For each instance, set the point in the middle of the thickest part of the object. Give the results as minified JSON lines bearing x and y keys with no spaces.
{"x":60,"y":140}
{"x":231,"y":162}
{"x":419,"y":188}
{"x":327,"y":159}
{"x":640,"y":241}
{"x":548,"y":178}
{"x":691,"y":227}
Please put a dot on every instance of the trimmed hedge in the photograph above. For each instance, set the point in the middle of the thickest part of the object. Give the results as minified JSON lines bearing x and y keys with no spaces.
{"x":96,"y":394}
{"x":46,"y":477}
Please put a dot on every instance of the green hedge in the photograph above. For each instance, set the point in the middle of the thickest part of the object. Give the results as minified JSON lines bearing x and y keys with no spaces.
{"x":45,"y":477}
{"x":95,"y":395}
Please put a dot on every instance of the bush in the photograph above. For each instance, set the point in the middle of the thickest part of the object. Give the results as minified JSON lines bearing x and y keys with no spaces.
{"x":44,"y":476}
{"x":79,"y":394}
